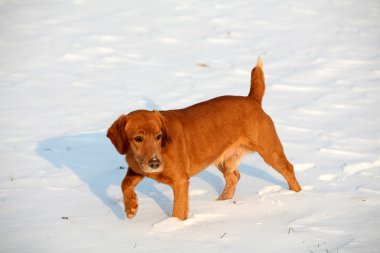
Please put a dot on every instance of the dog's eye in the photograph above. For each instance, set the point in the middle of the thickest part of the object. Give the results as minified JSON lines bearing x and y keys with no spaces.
{"x":159,"y":137}
{"x":138,"y":138}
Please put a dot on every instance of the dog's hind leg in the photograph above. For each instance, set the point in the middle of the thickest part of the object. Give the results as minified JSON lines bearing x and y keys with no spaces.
{"x":231,"y":178}
{"x":279,"y":162}
{"x":231,"y":175}
{"x":272,"y":152}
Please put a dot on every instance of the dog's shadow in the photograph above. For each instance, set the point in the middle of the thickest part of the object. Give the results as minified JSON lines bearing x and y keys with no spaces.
{"x":95,"y":161}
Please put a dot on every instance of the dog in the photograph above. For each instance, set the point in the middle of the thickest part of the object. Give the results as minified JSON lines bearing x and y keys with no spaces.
{"x":172,"y":146}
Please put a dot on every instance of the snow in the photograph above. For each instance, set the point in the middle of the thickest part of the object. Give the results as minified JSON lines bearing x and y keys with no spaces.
{"x":68,"y":69}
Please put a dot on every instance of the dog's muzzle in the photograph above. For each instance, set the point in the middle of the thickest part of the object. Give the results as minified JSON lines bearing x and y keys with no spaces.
{"x":154,"y":163}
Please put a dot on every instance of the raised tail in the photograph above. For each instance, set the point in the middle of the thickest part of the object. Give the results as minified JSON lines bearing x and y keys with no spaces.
{"x":257,"y":82}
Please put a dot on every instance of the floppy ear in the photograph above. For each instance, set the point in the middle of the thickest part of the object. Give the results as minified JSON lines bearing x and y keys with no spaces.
{"x":164,"y":128}
{"x":117,"y":135}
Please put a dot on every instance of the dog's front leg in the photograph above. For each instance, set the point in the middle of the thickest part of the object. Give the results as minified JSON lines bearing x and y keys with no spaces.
{"x":181,"y":199}
{"x":129,"y":194}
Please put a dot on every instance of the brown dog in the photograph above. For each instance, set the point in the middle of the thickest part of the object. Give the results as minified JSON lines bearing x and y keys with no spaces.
{"x":172,"y":146}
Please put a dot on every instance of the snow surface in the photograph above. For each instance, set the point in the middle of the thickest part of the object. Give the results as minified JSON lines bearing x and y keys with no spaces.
{"x":69,"y":68}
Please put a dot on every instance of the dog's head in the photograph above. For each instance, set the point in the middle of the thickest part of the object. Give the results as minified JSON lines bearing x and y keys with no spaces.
{"x":141,"y":134}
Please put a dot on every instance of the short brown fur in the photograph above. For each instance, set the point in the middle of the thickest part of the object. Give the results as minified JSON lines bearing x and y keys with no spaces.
{"x":172,"y":146}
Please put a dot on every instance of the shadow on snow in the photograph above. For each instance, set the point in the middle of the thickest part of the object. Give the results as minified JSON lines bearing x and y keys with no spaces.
{"x":95,"y":161}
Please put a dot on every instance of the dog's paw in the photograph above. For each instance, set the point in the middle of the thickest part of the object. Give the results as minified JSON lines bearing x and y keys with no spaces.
{"x":131,"y":207}
{"x":225,"y":196}
{"x":131,"y":204}
{"x":131,"y":212}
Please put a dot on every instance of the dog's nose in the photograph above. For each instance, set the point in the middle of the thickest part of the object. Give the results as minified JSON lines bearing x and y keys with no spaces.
{"x":154,"y":163}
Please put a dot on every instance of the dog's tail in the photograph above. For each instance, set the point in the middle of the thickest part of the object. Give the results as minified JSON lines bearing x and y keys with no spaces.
{"x":257,"y":82}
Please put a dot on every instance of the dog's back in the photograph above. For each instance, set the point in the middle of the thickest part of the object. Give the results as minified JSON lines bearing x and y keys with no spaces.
{"x":221,"y":128}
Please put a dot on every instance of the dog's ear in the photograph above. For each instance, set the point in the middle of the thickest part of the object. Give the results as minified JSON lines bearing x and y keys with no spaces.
{"x":164,"y":128}
{"x":116,"y":133}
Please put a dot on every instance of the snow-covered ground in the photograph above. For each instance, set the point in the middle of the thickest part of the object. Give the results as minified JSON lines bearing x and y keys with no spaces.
{"x":69,"y":68}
